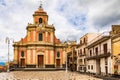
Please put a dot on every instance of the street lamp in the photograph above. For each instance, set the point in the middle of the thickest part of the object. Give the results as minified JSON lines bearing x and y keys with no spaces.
{"x":66,"y":46}
{"x":8,"y":42}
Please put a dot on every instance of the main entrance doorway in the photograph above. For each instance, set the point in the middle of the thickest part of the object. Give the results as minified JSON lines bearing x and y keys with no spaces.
{"x":98,"y":68}
{"x":40,"y":61}
{"x":58,"y":63}
{"x":22,"y":63}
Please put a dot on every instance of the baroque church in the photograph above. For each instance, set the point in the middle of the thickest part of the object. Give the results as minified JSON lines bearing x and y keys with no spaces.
{"x":39,"y":48}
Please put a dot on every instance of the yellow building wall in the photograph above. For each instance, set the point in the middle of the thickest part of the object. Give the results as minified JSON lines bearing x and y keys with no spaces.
{"x":116,"y":51}
{"x":116,"y":46}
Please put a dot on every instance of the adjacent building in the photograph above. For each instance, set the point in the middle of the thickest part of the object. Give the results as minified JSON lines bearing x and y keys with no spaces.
{"x":115,"y":36}
{"x":72,"y":56}
{"x":82,"y":51}
{"x":39,"y":48}
{"x":99,"y":55}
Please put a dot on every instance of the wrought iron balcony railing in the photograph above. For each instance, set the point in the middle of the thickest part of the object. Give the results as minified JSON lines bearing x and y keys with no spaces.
{"x":99,"y":54}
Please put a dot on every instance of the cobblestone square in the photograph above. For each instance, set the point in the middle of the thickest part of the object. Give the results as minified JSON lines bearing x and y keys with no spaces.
{"x":44,"y":75}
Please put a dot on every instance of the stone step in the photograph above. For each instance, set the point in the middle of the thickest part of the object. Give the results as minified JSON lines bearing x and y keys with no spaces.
{"x":37,"y":69}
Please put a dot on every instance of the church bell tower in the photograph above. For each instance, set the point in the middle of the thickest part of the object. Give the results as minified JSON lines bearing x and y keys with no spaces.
{"x":40,"y":16}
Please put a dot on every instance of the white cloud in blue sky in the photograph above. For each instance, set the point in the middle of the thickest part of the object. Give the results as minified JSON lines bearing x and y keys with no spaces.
{"x":71,"y":18}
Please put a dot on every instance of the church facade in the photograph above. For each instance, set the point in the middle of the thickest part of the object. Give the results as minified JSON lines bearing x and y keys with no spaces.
{"x":40,"y":48}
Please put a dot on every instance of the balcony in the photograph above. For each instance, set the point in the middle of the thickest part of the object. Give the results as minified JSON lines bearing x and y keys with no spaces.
{"x":101,"y":54}
{"x":81,"y":55}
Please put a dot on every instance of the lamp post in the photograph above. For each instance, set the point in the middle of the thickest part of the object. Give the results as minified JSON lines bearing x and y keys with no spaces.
{"x":8,"y":42}
{"x":66,"y":45}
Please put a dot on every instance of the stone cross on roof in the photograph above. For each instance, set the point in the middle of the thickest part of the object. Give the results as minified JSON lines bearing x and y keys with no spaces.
{"x":41,"y":3}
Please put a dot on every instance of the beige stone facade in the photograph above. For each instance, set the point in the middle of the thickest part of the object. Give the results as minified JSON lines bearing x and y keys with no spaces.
{"x":82,"y":51}
{"x":99,"y":55}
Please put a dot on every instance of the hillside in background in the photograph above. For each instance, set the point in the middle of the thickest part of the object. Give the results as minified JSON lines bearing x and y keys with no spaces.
{"x":2,"y":63}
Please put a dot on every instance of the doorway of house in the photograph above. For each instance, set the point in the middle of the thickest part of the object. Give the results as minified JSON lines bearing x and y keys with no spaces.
{"x":98,"y":68}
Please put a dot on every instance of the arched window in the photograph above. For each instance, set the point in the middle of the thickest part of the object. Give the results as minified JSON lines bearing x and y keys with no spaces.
{"x":40,"y":20}
{"x":22,"y":53}
{"x":40,"y":37}
{"x":58,"y":54}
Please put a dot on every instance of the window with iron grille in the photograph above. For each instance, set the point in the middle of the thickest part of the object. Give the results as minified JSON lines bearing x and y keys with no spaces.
{"x":96,"y":50}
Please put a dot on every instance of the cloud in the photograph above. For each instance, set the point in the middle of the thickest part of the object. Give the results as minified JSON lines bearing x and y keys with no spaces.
{"x":71,"y":18}
{"x":104,"y":12}
{"x":2,"y":3}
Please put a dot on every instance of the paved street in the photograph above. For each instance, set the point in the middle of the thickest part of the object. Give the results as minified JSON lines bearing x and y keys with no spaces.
{"x":44,"y":75}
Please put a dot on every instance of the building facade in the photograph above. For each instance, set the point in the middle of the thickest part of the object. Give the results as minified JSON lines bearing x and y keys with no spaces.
{"x":82,"y":51}
{"x":115,"y":36}
{"x":40,"y":48}
{"x":99,"y":55}
{"x":72,"y":56}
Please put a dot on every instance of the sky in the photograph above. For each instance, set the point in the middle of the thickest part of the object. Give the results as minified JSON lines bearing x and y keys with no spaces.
{"x":71,"y":18}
